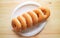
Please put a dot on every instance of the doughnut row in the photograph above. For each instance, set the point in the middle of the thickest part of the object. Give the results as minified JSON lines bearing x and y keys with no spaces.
{"x":30,"y":18}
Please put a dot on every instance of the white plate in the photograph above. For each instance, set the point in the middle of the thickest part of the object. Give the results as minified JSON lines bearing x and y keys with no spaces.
{"x":24,"y":7}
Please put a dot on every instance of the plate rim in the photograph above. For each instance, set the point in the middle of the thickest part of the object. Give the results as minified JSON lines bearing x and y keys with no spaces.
{"x":22,"y":4}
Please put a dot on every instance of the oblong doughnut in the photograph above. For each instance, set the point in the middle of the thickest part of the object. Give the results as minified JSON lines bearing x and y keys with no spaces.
{"x":46,"y":12}
{"x":34,"y":17}
{"x":28,"y":19}
{"x":39,"y":14}
{"x":23,"y":22}
{"x":16,"y":24}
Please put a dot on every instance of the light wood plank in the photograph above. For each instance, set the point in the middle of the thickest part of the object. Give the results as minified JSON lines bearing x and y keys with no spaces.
{"x":51,"y":30}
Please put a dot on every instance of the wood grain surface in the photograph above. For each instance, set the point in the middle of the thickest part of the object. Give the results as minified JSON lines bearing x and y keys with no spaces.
{"x":51,"y":30}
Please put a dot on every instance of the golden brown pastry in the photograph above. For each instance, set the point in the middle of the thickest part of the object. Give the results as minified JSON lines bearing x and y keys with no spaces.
{"x":23,"y":22}
{"x":34,"y":17}
{"x":30,"y":18}
{"x":45,"y":11}
{"x":16,"y":24}
{"x":39,"y":13}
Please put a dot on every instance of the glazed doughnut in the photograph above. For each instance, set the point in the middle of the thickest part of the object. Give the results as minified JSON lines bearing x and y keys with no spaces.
{"x":16,"y":24}
{"x":23,"y":22}
{"x":46,"y":12}
{"x":34,"y":17}
{"x":28,"y":19}
{"x":39,"y":14}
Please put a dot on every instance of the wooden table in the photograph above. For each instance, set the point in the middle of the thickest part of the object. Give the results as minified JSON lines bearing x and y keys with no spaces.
{"x":51,"y":30}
